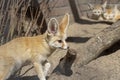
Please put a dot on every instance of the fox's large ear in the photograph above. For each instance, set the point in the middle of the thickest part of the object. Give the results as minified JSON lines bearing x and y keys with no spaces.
{"x":104,"y":4}
{"x":53,"y":26}
{"x":116,"y":7}
{"x":90,"y":6}
{"x":64,"y":23}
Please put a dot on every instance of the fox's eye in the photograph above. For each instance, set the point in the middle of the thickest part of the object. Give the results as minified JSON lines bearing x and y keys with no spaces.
{"x":60,"y":41}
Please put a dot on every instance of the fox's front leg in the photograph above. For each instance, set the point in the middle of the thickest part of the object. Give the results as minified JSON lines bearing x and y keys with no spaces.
{"x":46,"y":68}
{"x":39,"y":69}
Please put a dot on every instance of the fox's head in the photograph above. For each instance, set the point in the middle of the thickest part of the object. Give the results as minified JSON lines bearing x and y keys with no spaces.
{"x":56,"y":33}
{"x":98,"y":10}
{"x":110,"y":13}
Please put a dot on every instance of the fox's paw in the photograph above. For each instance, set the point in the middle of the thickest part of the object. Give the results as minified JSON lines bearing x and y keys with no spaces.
{"x":42,"y":79}
{"x":46,"y":68}
{"x":47,"y":65}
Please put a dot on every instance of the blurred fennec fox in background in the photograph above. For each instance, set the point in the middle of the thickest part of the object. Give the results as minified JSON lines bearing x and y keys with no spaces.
{"x":112,"y":14}
{"x":98,"y":10}
{"x":34,"y":49}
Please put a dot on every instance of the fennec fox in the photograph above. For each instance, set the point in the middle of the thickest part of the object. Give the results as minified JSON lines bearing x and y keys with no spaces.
{"x":34,"y":49}
{"x":98,"y":10}
{"x":112,"y":14}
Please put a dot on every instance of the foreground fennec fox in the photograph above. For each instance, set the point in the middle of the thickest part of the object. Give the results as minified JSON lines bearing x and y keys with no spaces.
{"x":98,"y":10}
{"x":33,"y":49}
{"x":112,"y":14}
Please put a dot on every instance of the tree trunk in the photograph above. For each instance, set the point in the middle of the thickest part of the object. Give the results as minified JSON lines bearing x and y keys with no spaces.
{"x":99,"y":43}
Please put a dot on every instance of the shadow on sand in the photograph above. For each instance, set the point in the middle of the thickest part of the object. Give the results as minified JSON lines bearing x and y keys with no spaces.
{"x":78,"y":39}
{"x":24,"y":78}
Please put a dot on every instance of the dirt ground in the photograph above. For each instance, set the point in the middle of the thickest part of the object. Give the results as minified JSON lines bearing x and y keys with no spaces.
{"x":101,"y":68}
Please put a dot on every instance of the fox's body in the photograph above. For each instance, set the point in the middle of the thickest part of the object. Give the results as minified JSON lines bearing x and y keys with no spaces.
{"x":112,"y":14}
{"x":16,"y":52}
{"x":33,"y":49}
{"x":98,"y":10}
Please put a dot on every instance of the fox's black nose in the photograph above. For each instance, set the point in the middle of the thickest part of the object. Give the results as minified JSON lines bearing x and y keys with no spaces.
{"x":68,"y":47}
